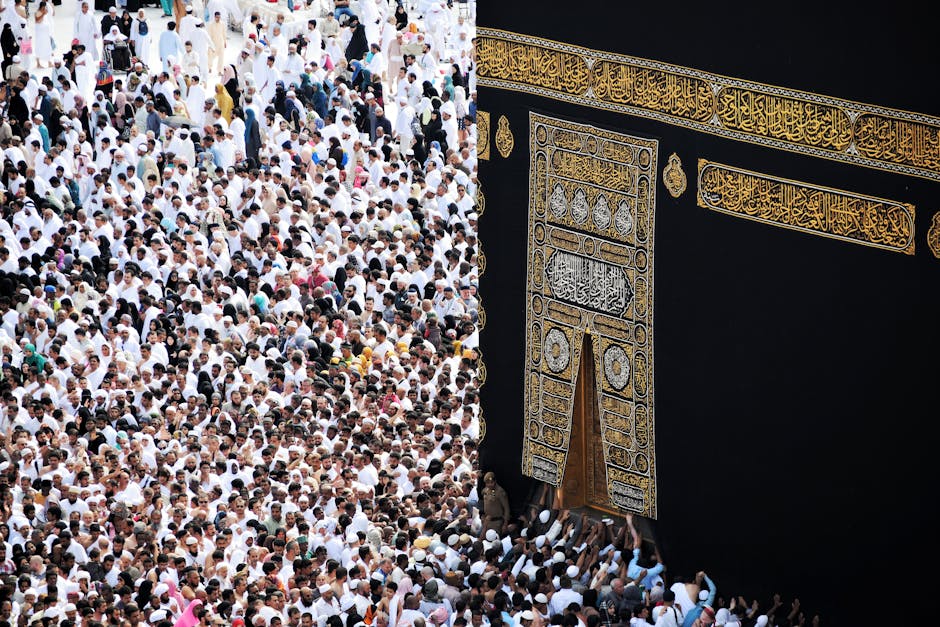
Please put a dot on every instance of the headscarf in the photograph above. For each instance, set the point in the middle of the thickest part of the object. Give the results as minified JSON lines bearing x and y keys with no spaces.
{"x":35,"y":359}
{"x":115,"y":34}
{"x":449,"y":85}
{"x":249,"y":121}
{"x":423,"y":110}
{"x":356,"y":66}
{"x":228,"y":73}
{"x":319,"y":100}
{"x":460,"y":101}
{"x":330,"y":288}
{"x":224,"y":102}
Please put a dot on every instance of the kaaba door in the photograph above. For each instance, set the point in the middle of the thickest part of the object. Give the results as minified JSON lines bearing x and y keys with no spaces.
{"x":585,"y":482}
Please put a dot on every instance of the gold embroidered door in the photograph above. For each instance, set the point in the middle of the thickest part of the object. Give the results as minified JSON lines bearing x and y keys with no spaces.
{"x":585,"y":482}
{"x":589,"y":427}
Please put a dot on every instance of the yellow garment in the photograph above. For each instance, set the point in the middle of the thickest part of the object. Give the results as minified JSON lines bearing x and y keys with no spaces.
{"x":224,"y":101}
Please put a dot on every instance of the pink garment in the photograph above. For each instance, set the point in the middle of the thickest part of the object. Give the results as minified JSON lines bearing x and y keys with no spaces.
{"x":175,"y":594}
{"x":189,"y":619}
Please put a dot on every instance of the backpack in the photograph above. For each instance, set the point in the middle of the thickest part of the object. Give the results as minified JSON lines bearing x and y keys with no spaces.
{"x":143,"y":28}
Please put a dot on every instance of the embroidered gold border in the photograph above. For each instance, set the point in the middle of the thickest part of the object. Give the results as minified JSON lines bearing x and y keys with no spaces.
{"x":483,"y":135}
{"x":805,"y":207}
{"x":777,"y":117}
{"x":481,"y":323}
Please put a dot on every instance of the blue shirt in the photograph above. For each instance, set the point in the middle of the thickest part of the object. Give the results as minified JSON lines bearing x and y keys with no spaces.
{"x":696,"y":611}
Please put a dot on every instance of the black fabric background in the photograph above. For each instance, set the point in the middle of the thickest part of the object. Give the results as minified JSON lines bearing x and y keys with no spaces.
{"x":795,"y":376}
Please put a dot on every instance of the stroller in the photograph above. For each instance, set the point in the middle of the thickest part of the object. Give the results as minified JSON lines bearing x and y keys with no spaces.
{"x":117,"y":54}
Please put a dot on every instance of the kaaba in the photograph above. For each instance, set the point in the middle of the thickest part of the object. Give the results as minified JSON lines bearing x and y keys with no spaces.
{"x":710,"y":251}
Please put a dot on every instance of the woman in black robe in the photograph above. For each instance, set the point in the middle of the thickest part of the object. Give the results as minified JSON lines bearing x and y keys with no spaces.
{"x":358,"y":45}
{"x":252,"y":137}
{"x":230,"y":81}
{"x":421,"y":153}
{"x":401,"y":17}
{"x":18,"y":110}
{"x":429,"y":91}
{"x":280,"y":99}
{"x":124,"y":23}
{"x":336,"y":152}
{"x":9,"y":46}
{"x":434,"y":130}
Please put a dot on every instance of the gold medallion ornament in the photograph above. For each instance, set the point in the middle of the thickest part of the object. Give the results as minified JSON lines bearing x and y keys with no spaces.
{"x":483,"y":134}
{"x":674,"y":177}
{"x":933,"y":235}
{"x":504,"y":138}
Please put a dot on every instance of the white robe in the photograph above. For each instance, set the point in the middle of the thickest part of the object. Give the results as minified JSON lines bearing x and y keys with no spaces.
{"x":42,"y":42}
{"x":195,"y":102}
{"x":85,"y":74}
{"x":141,"y":42}
{"x":87,"y":33}
{"x":201,"y":45}
{"x":187,"y":27}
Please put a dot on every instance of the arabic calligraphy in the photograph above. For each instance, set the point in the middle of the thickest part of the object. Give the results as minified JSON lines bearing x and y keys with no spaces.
{"x":788,"y":119}
{"x":546,"y":67}
{"x":668,"y":92}
{"x":589,"y":283}
{"x":805,"y":207}
{"x":777,"y":117}
{"x":898,"y":141}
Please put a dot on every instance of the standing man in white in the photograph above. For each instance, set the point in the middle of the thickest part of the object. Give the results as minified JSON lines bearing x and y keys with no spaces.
{"x":86,"y":30}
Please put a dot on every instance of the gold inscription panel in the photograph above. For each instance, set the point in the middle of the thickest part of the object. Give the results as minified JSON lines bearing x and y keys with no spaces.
{"x":806,"y":207}
{"x":777,"y":117}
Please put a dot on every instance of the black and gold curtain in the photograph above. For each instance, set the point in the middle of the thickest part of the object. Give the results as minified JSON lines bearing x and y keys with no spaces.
{"x":740,"y":208}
